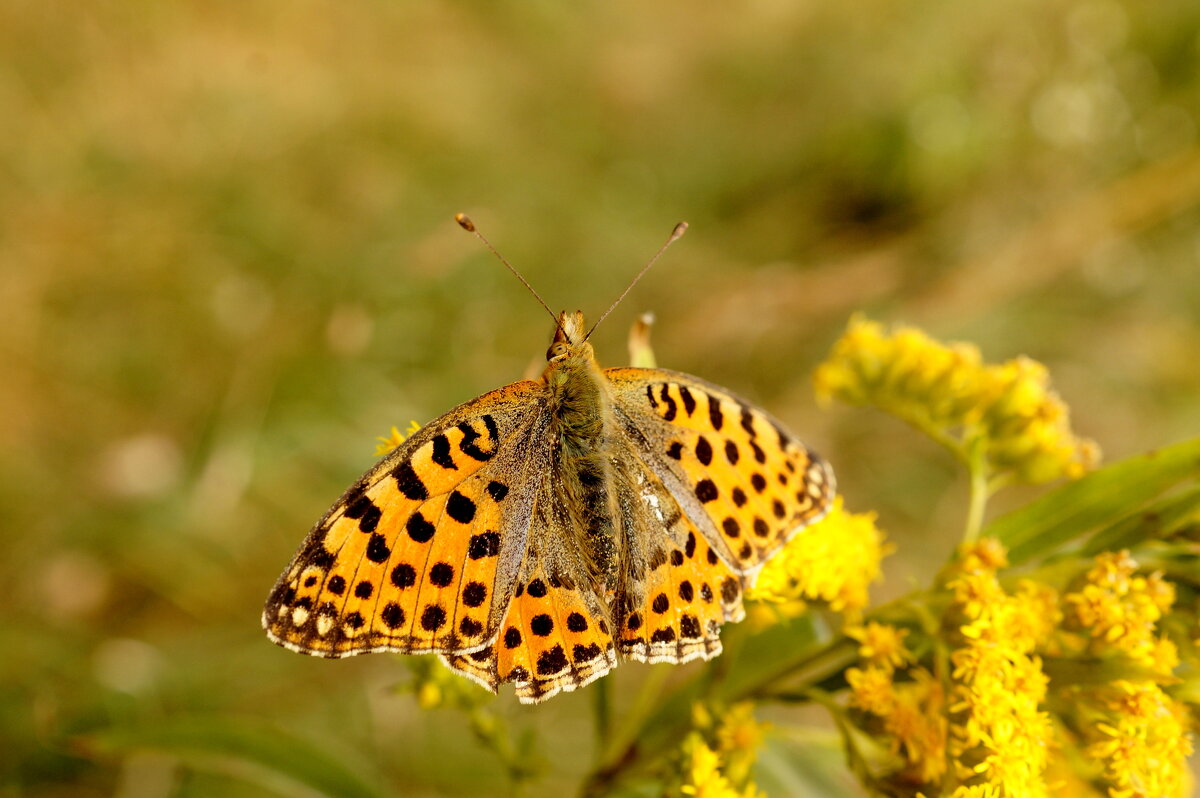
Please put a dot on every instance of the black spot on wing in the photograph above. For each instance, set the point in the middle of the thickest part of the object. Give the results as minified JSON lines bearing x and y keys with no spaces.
{"x":404,"y":575}
{"x":420,"y":530}
{"x":474,"y":594}
{"x":470,"y":436}
{"x":715,"y":417}
{"x":460,"y":508}
{"x":485,"y":545}
{"x":577,"y":623}
{"x":409,"y":483}
{"x":392,"y":615}
{"x":785,"y":440}
{"x":552,"y":661}
{"x":433,"y":618}
{"x":441,"y":574}
{"x":541,"y":625}
{"x":666,"y":635}
{"x":441,"y":453}
{"x":689,"y":401}
{"x":748,"y":422}
{"x":672,"y":408}
{"x":377,"y":549}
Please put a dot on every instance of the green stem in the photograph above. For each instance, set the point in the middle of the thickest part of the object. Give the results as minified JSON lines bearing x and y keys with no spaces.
{"x":980,"y":490}
{"x":602,"y":707}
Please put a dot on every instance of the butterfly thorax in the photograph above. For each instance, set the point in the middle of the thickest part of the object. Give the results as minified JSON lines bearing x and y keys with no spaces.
{"x":578,"y":398}
{"x":579,"y":405}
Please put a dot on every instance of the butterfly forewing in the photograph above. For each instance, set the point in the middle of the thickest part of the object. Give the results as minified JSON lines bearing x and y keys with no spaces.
{"x":422,"y":553}
{"x":745,"y":482}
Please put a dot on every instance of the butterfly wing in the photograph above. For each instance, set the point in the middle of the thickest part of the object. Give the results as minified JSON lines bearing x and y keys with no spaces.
{"x":556,"y":635}
{"x":676,"y":591}
{"x":739,"y":477}
{"x":422,"y":553}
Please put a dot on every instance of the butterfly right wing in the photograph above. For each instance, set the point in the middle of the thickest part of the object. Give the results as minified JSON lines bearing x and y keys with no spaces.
{"x":422,"y":553}
{"x":745,"y":482}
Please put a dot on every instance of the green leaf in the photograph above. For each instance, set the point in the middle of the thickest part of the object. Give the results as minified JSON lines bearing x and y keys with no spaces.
{"x":805,"y":764}
{"x":276,"y":760}
{"x":1156,"y":521}
{"x":1100,"y":498}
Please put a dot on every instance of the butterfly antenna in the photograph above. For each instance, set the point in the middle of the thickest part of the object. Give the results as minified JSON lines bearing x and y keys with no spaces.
{"x":465,"y":223}
{"x":679,"y":230}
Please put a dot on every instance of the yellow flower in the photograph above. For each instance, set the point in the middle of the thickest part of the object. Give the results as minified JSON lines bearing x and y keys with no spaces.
{"x":881,"y":644}
{"x":1119,"y":610}
{"x":998,"y":735}
{"x":1137,"y":733}
{"x":949,"y":393}
{"x":1143,"y":742}
{"x":911,"y":712}
{"x":738,"y":738}
{"x":702,"y":776}
{"x":394,"y":439}
{"x":832,"y":561}
{"x":917,"y":725}
{"x":871,"y":689}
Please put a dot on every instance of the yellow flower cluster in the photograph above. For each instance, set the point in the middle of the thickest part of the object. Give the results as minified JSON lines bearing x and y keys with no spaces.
{"x":1006,"y":413}
{"x":833,"y":561}
{"x":394,"y":439}
{"x":715,"y":772}
{"x":1138,"y":732}
{"x":1119,"y":611}
{"x":908,"y":715}
{"x":999,"y":738}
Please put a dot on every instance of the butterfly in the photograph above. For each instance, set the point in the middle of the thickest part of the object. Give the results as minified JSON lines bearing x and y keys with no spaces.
{"x":545,"y":531}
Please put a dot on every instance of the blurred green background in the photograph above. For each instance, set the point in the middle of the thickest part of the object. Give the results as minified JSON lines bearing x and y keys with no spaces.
{"x":229,"y":263}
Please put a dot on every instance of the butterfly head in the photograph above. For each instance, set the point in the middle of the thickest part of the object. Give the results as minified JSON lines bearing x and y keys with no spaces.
{"x":570,"y":339}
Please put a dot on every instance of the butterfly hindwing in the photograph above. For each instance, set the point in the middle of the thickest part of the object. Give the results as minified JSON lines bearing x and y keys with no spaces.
{"x":745,"y":482}
{"x":422,"y":553}
{"x":555,"y":634}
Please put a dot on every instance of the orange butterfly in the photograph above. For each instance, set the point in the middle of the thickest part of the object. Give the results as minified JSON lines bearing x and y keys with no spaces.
{"x":545,"y":530}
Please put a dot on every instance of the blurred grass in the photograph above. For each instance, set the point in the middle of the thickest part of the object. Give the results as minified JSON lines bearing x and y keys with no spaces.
{"x":228,"y":263}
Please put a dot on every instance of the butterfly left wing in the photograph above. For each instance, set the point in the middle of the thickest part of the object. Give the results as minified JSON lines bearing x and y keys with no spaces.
{"x":743,"y":481}
{"x":556,"y":635}
{"x":422,"y":553}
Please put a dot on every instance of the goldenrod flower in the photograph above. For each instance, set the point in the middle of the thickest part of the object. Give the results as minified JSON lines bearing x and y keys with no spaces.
{"x":917,"y":725}
{"x":871,"y":689}
{"x":832,"y":561}
{"x":1135,"y":730}
{"x":1007,"y":412}
{"x":999,"y":737}
{"x":1119,"y":610}
{"x":881,"y":644}
{"x":702,"y":776}
{"x":911,"y":719}
{"x":394,"y":439}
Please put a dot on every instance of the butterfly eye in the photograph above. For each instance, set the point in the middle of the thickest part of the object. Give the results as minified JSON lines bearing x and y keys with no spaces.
{"x":557,"y":350}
